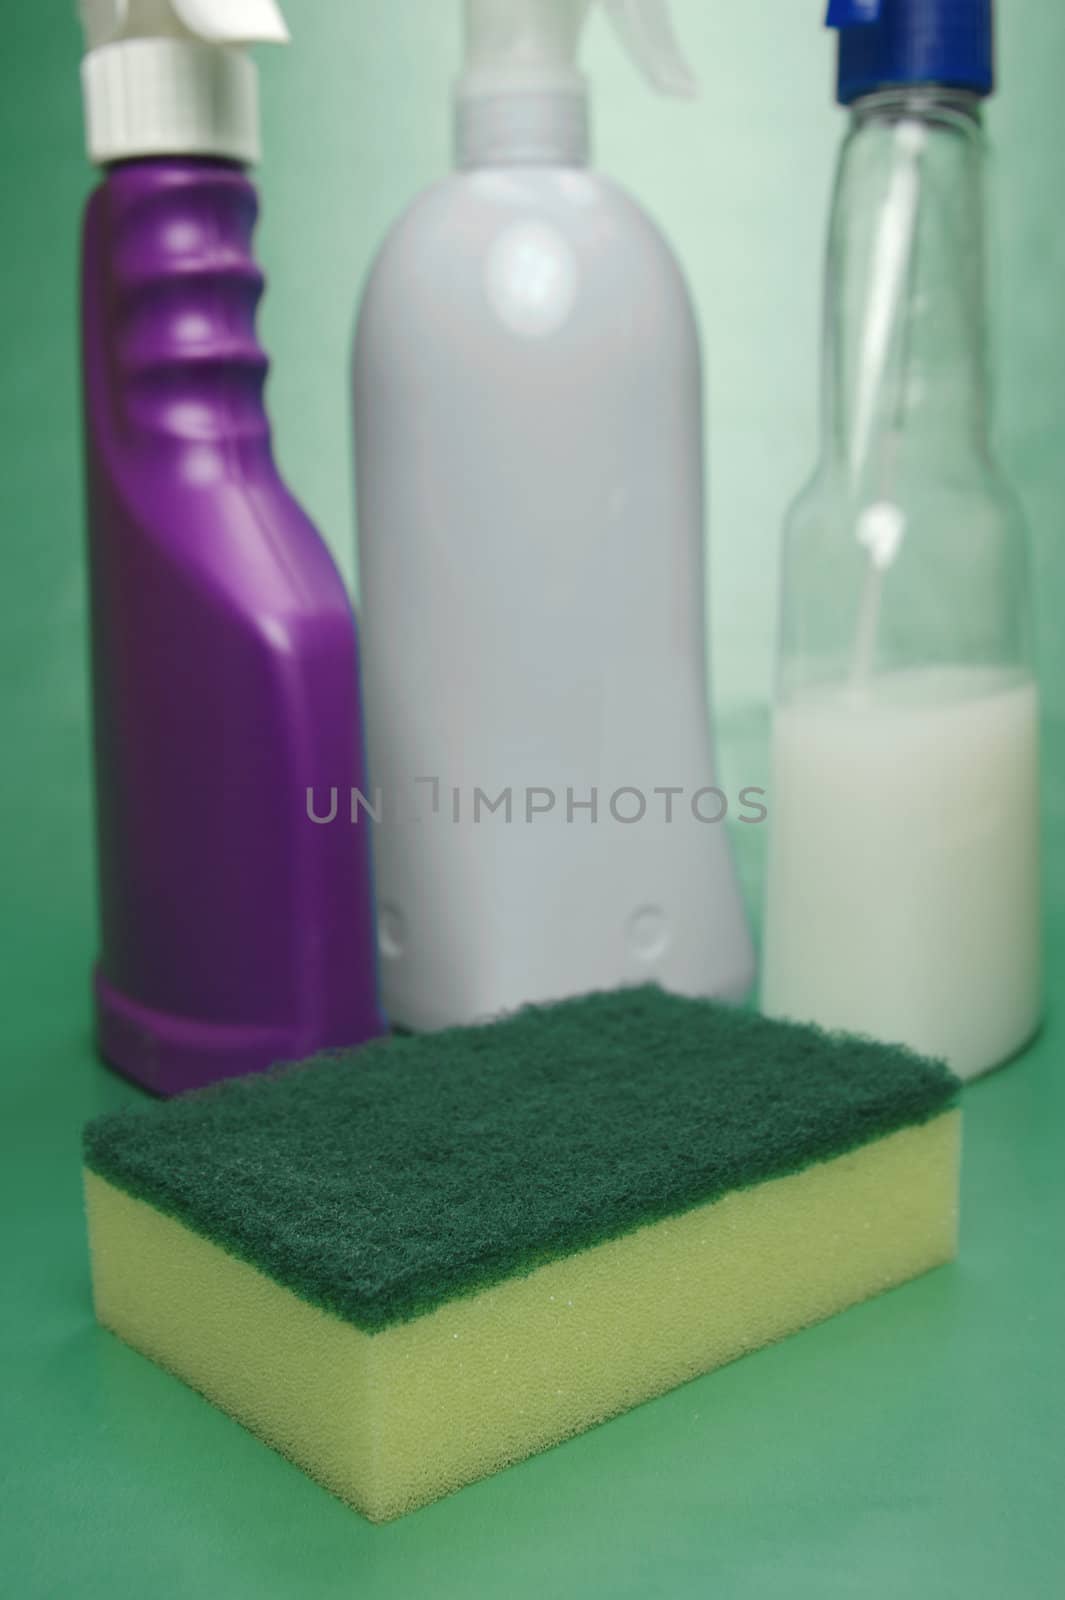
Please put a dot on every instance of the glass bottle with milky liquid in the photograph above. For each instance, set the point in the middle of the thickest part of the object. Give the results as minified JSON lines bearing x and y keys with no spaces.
{"x":903,"y":883}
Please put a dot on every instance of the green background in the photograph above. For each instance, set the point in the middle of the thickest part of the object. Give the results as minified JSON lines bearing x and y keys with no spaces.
{"x":913,"y":1446}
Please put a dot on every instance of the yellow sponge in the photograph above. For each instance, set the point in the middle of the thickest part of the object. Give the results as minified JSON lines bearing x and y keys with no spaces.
{"x":392,"y":1386}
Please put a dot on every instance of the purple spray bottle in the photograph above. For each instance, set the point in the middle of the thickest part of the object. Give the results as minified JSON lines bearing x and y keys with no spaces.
{"x":237,"y":931}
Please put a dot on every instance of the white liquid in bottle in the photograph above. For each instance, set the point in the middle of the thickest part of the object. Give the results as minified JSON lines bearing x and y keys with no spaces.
{"x":903,"y":891}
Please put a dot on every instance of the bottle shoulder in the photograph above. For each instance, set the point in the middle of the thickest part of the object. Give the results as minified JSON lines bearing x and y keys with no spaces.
{"x":536,"y":239}
{"x":932,"y":499}
{"x":577,"y":197}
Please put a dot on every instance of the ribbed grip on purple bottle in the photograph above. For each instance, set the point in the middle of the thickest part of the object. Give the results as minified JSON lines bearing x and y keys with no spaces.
{"x":185,"y":358}
{"x":236,"y":930}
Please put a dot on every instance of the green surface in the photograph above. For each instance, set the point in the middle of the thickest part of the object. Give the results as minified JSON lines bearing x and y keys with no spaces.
{"x":380,"y":1184}
{"x":913,"y":1446}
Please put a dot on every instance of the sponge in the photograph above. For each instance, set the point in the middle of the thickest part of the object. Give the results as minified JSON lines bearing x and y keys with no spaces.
{"x":409,"y":1266}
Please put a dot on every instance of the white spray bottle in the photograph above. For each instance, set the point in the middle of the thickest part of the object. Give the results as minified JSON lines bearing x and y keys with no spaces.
{"x":529,"y":469}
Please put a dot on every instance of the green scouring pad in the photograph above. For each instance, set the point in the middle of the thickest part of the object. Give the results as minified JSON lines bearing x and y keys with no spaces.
{"x":409,"y":1266}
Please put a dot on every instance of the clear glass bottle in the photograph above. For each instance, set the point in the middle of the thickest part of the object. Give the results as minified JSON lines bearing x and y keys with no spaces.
{"x":903,"y":886}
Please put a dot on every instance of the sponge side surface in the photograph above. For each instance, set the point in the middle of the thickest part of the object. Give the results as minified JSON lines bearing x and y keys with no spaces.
{"x":391,"y":1420}
{"x":382,"y":1184}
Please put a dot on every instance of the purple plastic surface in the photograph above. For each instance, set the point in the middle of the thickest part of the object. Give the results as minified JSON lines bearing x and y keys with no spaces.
{"x":236,"y":932}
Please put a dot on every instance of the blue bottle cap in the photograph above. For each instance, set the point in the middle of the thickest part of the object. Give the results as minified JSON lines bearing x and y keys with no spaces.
{"x":887,"y":43}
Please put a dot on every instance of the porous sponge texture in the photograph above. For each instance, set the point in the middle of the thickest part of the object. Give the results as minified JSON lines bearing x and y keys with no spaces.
{"x":382,"y":1184}
{"x":392,"y":1419}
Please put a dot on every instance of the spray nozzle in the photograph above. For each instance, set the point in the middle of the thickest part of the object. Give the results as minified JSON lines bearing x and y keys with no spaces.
{"x":233,"y":22}
{"x":895,"y":43}
{"x":521,"y":95}
{"x":512,"y":44}
{"x":171,"y":77}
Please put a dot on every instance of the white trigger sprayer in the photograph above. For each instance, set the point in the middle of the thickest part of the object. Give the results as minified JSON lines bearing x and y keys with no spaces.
{"x":521,"y":85}
{"x":172,"y":77}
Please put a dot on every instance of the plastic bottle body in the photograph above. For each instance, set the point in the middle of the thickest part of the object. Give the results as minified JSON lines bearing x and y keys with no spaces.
{"x":903,"y":889}
{"x":235,"y":931}
{"x":530,"y":498}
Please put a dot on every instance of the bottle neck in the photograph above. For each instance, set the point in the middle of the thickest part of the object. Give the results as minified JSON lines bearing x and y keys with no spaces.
{"x":522,"y":127}
{"x":171,"y":288}
{"x":905,"y":380}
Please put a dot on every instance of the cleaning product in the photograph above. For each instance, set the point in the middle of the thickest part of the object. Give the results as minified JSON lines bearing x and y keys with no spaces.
{"x":235,"y":930}
{"x":903,"y":886}
{"x":409,"y":1270}
{"x":529,"y":473}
